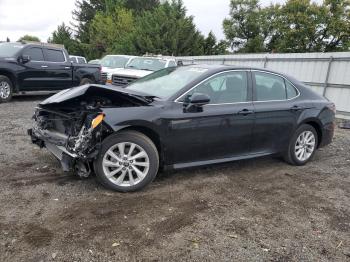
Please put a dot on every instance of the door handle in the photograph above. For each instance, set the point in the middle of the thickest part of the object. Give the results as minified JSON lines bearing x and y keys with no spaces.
{"x":296,"y":108}
{"x":245,"y":112}
{"x":44,"y":66}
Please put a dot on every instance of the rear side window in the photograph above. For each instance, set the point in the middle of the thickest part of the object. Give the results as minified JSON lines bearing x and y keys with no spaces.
{"x":291,"y":91}
{"x":269,"y":87}
{"x":35,"y":53}
{"x":53,"y":55}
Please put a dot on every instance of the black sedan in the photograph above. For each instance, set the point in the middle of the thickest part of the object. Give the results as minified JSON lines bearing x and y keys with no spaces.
{"x":182,"y":117}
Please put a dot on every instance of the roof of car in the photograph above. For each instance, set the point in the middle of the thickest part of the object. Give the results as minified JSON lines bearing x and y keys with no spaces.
{"x":219,"y":68}
{"x":127,"y":56}
{"x":158,"y":57}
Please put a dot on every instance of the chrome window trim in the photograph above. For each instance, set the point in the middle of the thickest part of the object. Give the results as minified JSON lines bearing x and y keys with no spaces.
{"x":285,"y":79}
{"x":219,"y":73}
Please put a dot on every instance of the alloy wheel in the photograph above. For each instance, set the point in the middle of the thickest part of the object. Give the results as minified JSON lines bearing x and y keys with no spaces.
{"x":126,"y":164}
{"x":5,"y":90}
{"x":304,"y":146}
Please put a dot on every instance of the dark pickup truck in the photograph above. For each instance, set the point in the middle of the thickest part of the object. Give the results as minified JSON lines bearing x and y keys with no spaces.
{"x":40,"y":67}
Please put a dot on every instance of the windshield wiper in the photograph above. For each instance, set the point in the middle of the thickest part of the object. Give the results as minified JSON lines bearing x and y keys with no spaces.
{"x":145,"y":98}
{"x":146,"y":69}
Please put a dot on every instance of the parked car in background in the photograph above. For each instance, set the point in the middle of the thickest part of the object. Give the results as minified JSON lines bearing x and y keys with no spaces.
{"x":111,"y":64}
{"x":40,"y":67}
{"x":182,"y":117}
{"x":77,"y":59}
{"x":95,"y":62}
{"x":139,"y":67}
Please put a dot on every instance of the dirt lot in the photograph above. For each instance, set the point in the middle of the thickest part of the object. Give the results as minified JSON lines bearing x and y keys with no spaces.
{"x":253,"y":210}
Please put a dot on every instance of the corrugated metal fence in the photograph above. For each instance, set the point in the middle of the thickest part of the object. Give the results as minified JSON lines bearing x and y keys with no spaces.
{"x":326,"y":73}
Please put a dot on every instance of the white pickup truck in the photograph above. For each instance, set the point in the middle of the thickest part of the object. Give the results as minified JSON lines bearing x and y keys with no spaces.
{"x":112,"y":64}
{"x":139,"y":67}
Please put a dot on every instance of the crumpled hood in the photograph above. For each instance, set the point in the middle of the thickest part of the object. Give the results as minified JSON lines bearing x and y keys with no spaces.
{"x":94,"y":90}
{"x":133,"y":72}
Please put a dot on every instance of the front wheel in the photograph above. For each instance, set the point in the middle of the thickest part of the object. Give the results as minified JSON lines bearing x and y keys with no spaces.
{"x":128,"y":161}
{"x":302,"y":145}
{"x":6,"y":89}
{"x":86,"y":81}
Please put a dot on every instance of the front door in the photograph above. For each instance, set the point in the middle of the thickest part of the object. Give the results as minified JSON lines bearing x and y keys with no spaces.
{"x":35,"y":75}
{"x":222,"y":129}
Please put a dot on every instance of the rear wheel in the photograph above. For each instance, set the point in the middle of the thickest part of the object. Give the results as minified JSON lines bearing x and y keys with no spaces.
{"x":302,"y":146}
{"x":128,"y":161}
{"x":6,"y":89}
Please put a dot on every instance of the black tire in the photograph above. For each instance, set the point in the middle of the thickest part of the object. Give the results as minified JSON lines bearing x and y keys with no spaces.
{"x":8,"y":96}
{"x":290,"y":155}
{"x":138,"y":139}
{"x":86,"y":81}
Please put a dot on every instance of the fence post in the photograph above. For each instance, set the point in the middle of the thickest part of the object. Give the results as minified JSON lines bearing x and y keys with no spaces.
{"x":223,"y":61}
{"x":265,"y":61}
{"x":327,"y":76}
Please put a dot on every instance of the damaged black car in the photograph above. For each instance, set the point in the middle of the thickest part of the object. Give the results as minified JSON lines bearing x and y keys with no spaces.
{"x":181,"y":117}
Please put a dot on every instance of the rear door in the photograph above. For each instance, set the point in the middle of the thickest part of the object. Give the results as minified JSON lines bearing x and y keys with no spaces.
{"x":35,"y":75}
{"x":59,"y":68}
{"x":275,"y":115}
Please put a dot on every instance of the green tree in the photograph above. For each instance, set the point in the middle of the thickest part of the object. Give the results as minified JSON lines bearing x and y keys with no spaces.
{"x":296,"y":26}
{"x":29,"y":38}
{"x":86,"y":10}
{"x":83,"y":15}
{"x":64,"y":35}
{"x":168,"y":30}
{"x":243,"y":29}
{"x":113,"y":33}
{"x":336,"y":32}
{"x":212,"y":47}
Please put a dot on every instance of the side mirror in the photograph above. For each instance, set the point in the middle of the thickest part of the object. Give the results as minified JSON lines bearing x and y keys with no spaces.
{"x":195,"y":102}
{"x":24,"y":59}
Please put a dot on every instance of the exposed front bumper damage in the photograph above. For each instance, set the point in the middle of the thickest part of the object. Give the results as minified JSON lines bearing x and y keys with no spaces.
{"x":70,"y":124}
{"x":71,"y":158}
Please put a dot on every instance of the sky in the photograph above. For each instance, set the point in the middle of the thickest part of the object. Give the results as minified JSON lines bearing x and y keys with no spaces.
{"x":41,"y":17}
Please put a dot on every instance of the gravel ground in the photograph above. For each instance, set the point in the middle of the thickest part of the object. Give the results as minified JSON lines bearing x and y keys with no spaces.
{"x":256,"y":210}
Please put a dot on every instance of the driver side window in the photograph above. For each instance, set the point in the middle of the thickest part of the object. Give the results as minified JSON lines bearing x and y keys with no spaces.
{"x":229,"y":87}
{"x":35,"y":53}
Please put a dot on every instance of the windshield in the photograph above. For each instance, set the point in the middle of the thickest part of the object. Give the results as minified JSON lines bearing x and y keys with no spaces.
{"x":167,"y":82}
{"x":114,"y":61}
{"x":9,"y":49}
{"x":149,"y":64}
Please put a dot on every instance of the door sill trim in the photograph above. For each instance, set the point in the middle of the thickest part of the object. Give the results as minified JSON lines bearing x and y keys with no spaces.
{"x":217,"y":161}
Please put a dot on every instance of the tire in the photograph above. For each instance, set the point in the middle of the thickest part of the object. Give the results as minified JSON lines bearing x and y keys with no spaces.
{"x":143,"y":147}
{"x":6,"y":89}
{"x":297,"y":144}
{"x":85,"y":81}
